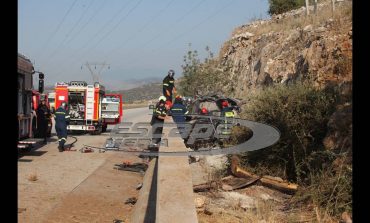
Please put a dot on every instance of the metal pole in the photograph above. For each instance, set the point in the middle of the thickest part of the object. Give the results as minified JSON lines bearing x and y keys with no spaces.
{"x":307,"y":9}
{"x":333,"y":6}
{"x":93,"y":74}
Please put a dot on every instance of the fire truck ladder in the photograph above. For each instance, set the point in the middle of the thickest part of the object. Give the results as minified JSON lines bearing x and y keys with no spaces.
{"x":89,"y":104}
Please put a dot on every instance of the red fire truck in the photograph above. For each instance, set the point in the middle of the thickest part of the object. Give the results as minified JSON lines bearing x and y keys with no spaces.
{"x":28,"y":101}
{"x":90,"y":109}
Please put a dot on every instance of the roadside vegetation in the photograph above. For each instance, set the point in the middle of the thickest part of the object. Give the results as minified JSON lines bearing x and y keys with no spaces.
{"x":301,"y":112}
{"x":281,"y":6}
{"x":310,"y":152}
{"x":202,"y":76}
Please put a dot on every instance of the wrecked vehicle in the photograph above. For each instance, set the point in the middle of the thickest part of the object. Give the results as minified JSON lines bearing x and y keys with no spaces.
{"x":207,"y":110}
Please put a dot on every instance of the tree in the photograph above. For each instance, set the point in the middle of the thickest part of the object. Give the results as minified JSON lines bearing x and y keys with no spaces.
{"x":204,"y":77}
{"x":281,"y":6}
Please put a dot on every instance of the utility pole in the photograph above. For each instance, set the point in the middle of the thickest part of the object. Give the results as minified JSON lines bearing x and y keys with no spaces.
{"x":307,"y":8}
{"x":333,"y":6}
{"x":95,"y":75}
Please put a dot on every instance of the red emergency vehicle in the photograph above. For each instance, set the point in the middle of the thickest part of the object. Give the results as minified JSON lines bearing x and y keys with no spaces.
{"x":28,"y":101}
{"x":89,"y":108}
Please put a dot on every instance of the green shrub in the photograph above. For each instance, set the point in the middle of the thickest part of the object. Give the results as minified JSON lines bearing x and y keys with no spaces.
{"x":301,"y":113}
{"x":200,"y":77}
{"x":281,"y":6}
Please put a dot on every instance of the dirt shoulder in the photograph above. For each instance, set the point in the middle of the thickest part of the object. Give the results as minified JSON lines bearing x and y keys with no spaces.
{"x":101,"y":197}
{"x":55,"y":175}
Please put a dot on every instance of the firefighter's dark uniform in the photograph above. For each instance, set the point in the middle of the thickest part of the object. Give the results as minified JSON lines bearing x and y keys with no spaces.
{"x":168,"y":84}
{"x":61,"y":119}
{"x":157,"y":123}
{"x":178,"y":112}
{"x":43,"y":114}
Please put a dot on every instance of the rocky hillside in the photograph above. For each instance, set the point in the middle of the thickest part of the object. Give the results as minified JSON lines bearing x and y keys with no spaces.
{"x":292,"y":46}
{"x":306,"y":62}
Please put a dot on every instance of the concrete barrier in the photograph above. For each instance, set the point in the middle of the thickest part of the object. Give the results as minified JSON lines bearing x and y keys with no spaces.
{"x":167,"y":192}
{"x":175,"y":200}
{"x":145,"y":207}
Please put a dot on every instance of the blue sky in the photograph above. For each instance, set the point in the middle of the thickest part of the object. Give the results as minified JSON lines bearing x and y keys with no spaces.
{"x":138,"y":38}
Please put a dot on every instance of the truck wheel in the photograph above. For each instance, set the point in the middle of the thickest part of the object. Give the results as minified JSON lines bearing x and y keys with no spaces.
{"x":27,"y":149}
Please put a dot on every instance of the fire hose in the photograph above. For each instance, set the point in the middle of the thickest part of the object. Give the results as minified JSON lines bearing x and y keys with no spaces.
{"x":71,"y":145}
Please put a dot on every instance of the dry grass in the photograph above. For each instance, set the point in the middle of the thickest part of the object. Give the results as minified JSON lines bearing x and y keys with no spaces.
{"x":265,"y":211}
{"x":285,"y":26}
{"x":342,"y":11}
{"x":33,"y":177}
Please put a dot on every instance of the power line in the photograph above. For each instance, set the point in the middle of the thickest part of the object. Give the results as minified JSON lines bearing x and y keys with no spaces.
{"x":57,"y":29}
{"x":177,"y":21}
{"x":96,"y":12}
{"x":192,"y":28}
{"x":107,"y":34}
{"x":153,"y":18}
{"x":115,"y":27}
{"x":88,"y":21}
{"x":96,"y":75}
{"x":87,"y":42}
{"x":191,"y":10}
{"x":75,"y":25}
{"x":197,"y":25}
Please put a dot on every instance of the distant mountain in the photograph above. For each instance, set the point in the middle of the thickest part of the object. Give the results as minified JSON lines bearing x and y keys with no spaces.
{"x":131,"y":83}
{"x":142,"y":93}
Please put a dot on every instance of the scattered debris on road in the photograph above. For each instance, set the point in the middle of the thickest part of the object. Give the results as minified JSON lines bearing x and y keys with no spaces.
{"x":33,"y":177}
{"x":131,"y":200}
{"x":86,"y":150}
{"x":139,"y":186}
{"x":20,"y":210}
{"x":135,"y":167}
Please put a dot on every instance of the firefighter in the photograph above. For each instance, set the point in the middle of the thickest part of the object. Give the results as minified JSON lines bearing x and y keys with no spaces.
{"x":159,"y":114}
{"x":226,"y":110}
{"x":228,"y":113}
{"x":43,"y":115}
{"x":61,"y":121}
{"x":169,"y":85}
{"x":178,"y":112}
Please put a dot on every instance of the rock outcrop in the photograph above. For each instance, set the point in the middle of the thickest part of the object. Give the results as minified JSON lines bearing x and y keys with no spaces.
{"x":291,"y":47}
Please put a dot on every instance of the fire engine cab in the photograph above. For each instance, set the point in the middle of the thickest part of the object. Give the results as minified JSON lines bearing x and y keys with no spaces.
{"x":28,"y":102}
{"x":90,"y":109}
